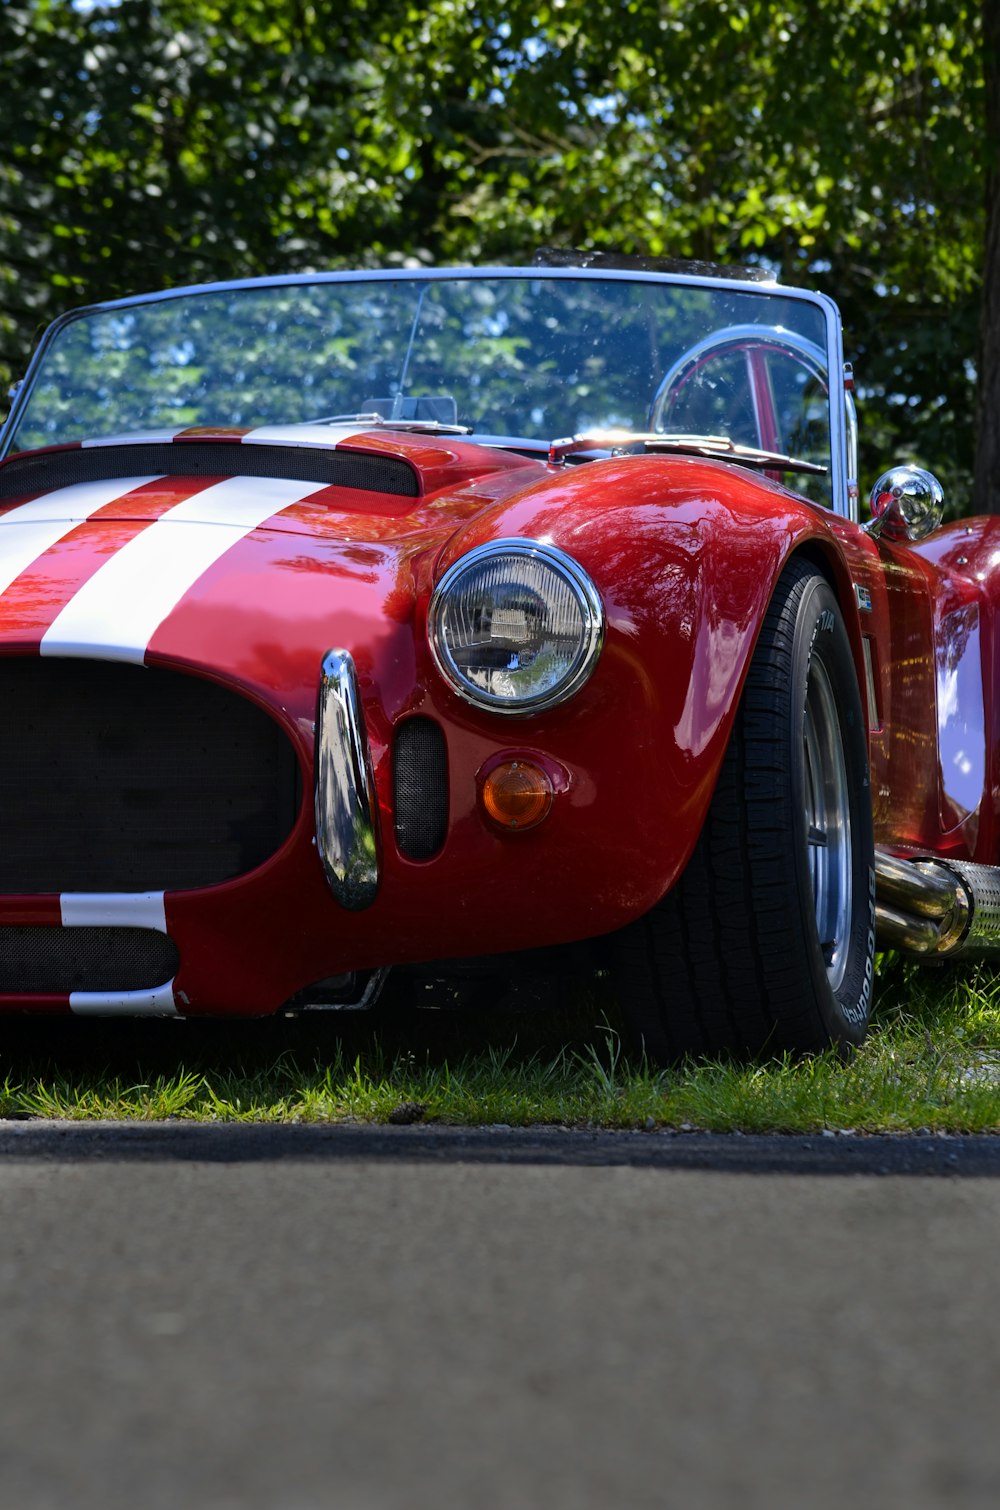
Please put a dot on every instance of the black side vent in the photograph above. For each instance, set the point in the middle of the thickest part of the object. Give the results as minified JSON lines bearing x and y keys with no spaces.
{"x":420,"y":788}
{"x":36,"y":960}
{"x":32,"y":473}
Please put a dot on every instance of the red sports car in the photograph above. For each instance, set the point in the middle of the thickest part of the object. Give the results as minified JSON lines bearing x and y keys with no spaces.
{"x":509,"y":618}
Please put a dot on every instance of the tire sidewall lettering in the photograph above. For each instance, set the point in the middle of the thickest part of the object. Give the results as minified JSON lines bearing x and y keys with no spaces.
{"x":859,"y":1012}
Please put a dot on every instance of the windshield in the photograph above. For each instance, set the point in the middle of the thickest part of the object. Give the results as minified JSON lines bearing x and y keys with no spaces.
{"x":523,"y":358}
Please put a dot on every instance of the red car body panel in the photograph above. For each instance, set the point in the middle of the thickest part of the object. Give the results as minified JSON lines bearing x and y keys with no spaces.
{"x":684,"y":553}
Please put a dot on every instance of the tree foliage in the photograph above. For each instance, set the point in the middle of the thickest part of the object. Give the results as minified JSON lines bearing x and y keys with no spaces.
{"x":842,"y":142}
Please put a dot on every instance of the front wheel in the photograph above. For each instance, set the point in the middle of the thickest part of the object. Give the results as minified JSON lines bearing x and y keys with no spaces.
{"x":766,"y":944}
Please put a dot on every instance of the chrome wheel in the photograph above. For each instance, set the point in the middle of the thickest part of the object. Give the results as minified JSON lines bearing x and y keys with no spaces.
{"x":828,"y":821}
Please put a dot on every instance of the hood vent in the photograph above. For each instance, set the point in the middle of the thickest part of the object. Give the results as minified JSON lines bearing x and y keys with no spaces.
{"x":35,"y":472}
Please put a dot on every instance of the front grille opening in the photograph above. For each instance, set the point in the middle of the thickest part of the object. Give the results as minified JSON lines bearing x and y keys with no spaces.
{"x":420,"y":788}
{"x":133,"y":778}
{"x":37,"y":960}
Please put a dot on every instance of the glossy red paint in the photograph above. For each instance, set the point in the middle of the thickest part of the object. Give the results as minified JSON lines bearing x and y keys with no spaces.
{"x":684,"y":553}
{"x":33,"y":599}
{"x":962,"y":561}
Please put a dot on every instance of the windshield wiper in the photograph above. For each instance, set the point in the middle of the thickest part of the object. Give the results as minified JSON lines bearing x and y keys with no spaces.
{"x":716,"y":447}
{"x":380,"y":422}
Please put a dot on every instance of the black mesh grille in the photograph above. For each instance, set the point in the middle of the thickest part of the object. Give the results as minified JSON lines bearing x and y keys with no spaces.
{"x":84,"y":959}
{"x":420,"y":788}
{"x":129,"y":778}
{"x":378,"y":474}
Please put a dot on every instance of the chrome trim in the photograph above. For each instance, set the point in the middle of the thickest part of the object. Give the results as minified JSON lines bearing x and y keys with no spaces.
{"x":828,"y":821}
{"x":851,"y":426}
{"x":346,"y":832}
{"x":591,"y":607}
{"x":898,"y":930}
{"x":811,"y":355}
{"x":823,"y":363}
{"x":874,"y":721}
{"x":435,"y":274}
{"x":923,"y":905}
{"x":983,"y":883}
{"x":843,"y":503}
{"x":907,"y":504}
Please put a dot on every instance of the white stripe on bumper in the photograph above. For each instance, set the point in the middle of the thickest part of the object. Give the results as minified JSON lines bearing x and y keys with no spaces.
{"x":118,"y":909}
{"x":114,"y":909}
{"x":158,"y":1003}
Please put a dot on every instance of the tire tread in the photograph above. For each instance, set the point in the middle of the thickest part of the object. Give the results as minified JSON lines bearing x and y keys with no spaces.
{"x":715,"y":967}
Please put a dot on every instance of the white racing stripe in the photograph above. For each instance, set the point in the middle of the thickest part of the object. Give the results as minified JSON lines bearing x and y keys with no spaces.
{"x":43,"y":522}
{"x":306,"y":434}
{"x":118,"y":610}
{"x":158,"y":1003}
{"x":116,"y":909}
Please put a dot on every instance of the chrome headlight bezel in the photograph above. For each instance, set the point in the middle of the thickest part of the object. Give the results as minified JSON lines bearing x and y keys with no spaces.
{"x":591,"y":637}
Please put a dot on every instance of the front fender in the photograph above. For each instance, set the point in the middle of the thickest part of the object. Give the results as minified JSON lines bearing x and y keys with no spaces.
{"x":685,"y":555}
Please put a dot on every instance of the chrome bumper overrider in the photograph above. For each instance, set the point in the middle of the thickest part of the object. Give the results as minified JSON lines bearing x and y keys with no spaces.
{"x":346,"y":833}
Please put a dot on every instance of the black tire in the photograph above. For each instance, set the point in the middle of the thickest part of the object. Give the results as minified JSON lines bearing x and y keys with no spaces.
{"x":766,"y":944}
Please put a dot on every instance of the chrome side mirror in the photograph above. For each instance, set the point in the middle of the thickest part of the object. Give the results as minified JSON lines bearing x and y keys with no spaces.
{"x":906,"y":503}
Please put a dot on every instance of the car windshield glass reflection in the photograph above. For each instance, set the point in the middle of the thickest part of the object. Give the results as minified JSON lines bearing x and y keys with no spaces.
{"x":514,"y":358}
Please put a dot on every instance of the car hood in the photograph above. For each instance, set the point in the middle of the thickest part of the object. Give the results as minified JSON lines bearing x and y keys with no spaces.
{"x":233,"y":552}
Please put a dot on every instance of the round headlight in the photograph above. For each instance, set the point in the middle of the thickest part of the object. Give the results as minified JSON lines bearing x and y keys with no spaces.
{"x":515,"y":626}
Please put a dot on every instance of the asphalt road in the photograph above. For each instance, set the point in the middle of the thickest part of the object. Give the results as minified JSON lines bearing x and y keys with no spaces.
{"x":196,"y":1317}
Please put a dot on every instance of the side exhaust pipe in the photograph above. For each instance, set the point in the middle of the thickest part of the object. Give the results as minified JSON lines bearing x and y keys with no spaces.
{"x":937,"y":908}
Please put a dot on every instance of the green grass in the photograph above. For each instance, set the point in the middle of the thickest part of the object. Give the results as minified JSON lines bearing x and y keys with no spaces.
{"x":932,"y":1061}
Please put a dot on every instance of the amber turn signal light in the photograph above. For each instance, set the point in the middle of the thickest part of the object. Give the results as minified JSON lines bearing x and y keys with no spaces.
{"x":516,"y":794}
